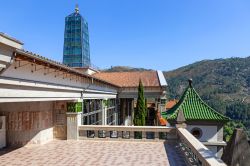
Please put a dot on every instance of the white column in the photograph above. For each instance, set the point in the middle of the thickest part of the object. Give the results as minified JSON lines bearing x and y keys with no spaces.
{"x":104,"y":114}
{"x":116,"y":113}
{"x":73,"y":121}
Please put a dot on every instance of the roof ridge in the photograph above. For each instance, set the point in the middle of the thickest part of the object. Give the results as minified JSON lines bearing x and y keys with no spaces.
{"x":178,"y":104}
{"x":127,"y":71}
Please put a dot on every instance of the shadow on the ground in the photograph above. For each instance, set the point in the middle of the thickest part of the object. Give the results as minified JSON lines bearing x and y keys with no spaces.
{"x":6,"y":150}
{"x":175,"y":157}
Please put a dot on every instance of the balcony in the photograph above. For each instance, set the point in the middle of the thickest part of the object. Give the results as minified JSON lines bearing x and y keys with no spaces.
{"x":116,"y":145}
{"x":179,"y":140}
{"x":192,"y":151}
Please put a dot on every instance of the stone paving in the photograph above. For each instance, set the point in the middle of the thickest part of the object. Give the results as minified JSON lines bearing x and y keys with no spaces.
{"x":104,"y":153}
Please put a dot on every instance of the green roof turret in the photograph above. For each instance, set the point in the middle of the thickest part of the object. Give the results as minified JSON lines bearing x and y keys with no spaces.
{"x":193,"y":108}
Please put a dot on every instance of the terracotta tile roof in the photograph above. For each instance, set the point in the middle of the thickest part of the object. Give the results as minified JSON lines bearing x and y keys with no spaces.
{"x":163,"y":122}
{"x":171,"y":103}
{"x":130,"y":79}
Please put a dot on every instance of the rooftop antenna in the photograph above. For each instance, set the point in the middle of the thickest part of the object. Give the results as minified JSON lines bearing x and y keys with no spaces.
{"x":77,"y":8}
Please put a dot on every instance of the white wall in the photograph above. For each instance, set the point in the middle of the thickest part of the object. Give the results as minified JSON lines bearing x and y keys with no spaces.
{"x":28,"y":122}
{"x":25,"y":73}
{"x":209,"y":133}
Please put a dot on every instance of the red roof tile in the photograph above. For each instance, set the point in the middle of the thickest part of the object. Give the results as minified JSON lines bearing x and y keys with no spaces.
{"x":130,"y":79}
{"x":171,"y":103}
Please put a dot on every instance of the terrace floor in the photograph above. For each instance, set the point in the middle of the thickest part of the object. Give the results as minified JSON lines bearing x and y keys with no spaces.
{"x":90,"y":152}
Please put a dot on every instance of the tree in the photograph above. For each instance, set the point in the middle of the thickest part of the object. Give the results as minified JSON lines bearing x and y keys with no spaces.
{"x":229,"y":129}
{"x":140,"y":111}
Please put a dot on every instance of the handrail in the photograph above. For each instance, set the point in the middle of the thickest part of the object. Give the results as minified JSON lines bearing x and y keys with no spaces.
{"x":126,"y":128}
{"x":205,"y":156}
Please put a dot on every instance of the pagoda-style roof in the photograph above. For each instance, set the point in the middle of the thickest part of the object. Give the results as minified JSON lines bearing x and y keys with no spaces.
{"x":194,"y":108}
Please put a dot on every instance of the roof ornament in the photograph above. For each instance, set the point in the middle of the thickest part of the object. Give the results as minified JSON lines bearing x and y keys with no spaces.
{"x":180,"y":117}
{"x":190,"y":81}
{"x":77,"y":8}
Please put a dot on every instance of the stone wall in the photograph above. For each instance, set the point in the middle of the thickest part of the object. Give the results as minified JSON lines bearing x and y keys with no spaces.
{"x":28,"y":122}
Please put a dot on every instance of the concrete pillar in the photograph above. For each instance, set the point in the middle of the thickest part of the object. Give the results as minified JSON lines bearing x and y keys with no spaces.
{"x":103,"y":113}
{"x":123,"y":110}
{"x":116,"y":113}
{"x":157,"y":136}
{"x":144,"y":135}
{"x":73,"y":121}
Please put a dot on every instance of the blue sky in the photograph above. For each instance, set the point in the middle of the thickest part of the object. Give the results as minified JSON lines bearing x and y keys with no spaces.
{"x":155,"y":34}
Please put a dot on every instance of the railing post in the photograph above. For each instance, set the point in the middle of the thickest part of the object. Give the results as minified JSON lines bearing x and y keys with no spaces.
{"x":96,"y":133}
{"x":157,"y":135}
{"x":73,"y":121}
{"x":144,"y":135}
{"x":119,"y":133}
{"x":132,"y":134}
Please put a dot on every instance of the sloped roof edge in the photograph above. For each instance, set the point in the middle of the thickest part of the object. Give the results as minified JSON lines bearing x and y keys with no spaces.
{"x":60,"y":65}
{"x":194,"y":110}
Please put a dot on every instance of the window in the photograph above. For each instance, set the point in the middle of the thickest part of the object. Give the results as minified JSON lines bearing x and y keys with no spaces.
{"x":197,"y":132}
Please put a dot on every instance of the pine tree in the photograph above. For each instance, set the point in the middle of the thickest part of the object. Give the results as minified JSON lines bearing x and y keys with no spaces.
{"x":140,"y":111}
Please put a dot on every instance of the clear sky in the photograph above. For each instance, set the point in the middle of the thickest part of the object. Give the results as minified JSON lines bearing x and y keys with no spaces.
{"x":156,"y":34}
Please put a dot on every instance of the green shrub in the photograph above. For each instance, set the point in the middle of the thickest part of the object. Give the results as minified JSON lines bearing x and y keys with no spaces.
{"x":74,"y":107}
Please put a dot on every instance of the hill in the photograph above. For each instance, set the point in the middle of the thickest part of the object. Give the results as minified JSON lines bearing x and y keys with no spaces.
{"x":124,"y":68}
{"x":223,"y":83}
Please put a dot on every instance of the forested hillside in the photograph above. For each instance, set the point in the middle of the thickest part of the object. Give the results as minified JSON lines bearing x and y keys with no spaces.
{"x":223,"y":83}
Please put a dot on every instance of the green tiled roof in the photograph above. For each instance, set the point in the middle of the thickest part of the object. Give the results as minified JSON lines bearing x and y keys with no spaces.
{"x":194,"y":108}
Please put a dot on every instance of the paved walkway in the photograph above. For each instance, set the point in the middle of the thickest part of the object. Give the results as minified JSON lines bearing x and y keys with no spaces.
{"x":104,"y":153}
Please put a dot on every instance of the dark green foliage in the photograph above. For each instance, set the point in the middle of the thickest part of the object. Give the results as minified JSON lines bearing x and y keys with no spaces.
{"x":224,"y":84}
{"x":240,"y":112}
{"x":140,"y":111}
{"x":229,"y":129}
{"x":106,"y":103}
{"x":74,"y":107}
